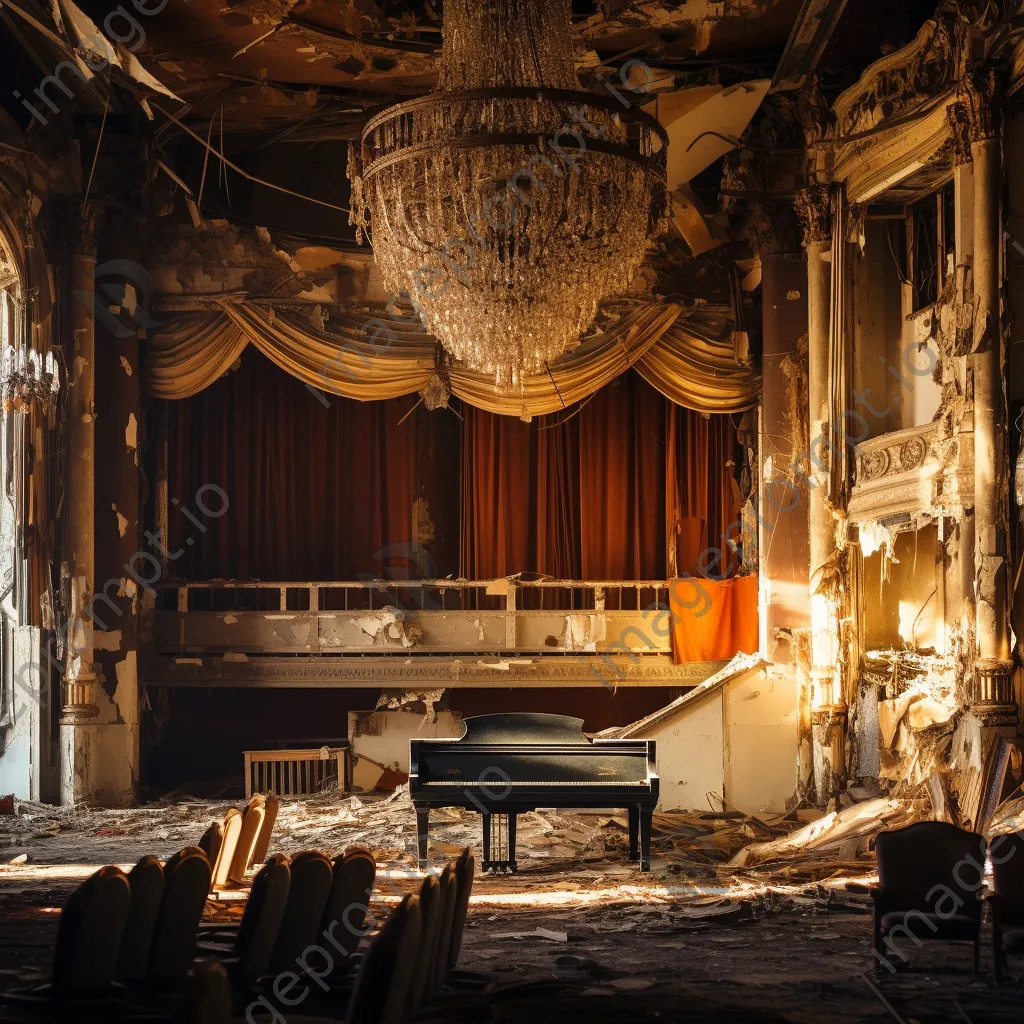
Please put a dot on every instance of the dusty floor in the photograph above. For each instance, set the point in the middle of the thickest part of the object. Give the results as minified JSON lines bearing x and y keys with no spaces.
{"x":695,"y":939}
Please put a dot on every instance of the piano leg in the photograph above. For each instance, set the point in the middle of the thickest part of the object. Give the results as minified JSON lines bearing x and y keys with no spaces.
{"x":499,"y":841}
{"x":422,"y":828}
{"x":634,"y":832}
{"x":646,"y":813}
{"x":487,"y":840}
{"x":512,"y":840}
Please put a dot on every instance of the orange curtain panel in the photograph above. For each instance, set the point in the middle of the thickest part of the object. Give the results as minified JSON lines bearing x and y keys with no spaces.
{"x":712,"y":620}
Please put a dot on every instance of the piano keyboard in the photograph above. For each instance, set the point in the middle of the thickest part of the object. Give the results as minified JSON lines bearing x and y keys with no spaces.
{"x":500,"y":784}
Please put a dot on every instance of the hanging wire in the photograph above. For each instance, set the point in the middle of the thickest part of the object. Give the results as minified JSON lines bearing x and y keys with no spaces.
{"x":245,"y":174}
{"x":96,"y":155}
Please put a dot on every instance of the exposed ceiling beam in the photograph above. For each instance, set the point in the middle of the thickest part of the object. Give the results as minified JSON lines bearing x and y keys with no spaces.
{"x":811,"y":34}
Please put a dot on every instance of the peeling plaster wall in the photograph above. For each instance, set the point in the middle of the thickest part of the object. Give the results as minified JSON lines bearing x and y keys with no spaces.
{"x":1014,"y":185}
{"x":382,"y":738}
{"x":785,"y":604}
{"x":918,"y":395}
{"x":761,"y":724}
{"x":106,"y":758}
{"x":690,"y":756}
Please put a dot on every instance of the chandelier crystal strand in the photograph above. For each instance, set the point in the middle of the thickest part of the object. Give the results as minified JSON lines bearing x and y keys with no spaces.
{"x":508,"y":202}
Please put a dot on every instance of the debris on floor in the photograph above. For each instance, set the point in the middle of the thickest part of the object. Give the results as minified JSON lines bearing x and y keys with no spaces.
{"x":841,"y":834}
{"x":736,"y":910}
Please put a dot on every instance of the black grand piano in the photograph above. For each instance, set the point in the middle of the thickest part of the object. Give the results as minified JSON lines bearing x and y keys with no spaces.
{"x":508,"y":764}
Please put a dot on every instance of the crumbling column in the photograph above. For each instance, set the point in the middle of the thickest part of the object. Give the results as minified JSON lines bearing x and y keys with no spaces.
{"x":828,"y":713}
{"x":78,"y":710}
{"x":817,"y":221}
{"x":782,"y":500}
{"x":122,"y":559}
{"x":994,"y":670}
{"x":81,"y":675}
{"x":963,"y":204}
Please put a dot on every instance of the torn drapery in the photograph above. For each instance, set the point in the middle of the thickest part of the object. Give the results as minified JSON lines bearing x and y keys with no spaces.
{"x":190,"y":354}
{"x":577,"y":374}
{"x":372,"y":356}
{"x":712,"y":620}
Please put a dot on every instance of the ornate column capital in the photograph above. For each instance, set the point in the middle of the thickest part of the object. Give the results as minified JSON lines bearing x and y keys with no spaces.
{"x":814,"y":209}
{"x":976,"y":93}
{"x":960,"y":123}
{"x":771,"y":229}
{"x":90,"y":224}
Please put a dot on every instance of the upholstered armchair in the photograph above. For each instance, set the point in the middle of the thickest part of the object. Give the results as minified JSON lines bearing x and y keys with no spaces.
{"x":930,"y":877}
{"x":1007,"y":898}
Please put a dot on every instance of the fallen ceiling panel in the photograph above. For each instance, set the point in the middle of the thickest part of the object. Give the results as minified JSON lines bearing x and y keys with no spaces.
{"x":704,"y":123}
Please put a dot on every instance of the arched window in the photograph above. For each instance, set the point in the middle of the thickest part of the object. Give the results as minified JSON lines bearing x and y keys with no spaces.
{"x":9,"y":346}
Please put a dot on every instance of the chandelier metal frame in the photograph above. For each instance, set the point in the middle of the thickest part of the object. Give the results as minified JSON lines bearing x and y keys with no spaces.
{"x":378,"y":152}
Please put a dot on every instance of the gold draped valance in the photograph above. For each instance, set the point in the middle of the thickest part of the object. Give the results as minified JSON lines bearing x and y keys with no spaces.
{"x":693,"y":368}
{"x":373,"y":356}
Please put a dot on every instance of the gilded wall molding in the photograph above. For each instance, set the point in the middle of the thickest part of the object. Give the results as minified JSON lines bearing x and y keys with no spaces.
{"x":911,"y":107}
{"x":899,"y":82}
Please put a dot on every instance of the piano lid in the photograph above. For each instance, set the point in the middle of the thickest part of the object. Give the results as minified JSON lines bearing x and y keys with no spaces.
{"x":524,"y":727}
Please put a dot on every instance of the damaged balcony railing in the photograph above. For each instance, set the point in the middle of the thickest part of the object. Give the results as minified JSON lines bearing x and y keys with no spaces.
{"x":540,"y":616}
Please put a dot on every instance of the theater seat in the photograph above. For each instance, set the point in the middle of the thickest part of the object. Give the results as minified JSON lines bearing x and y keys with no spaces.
{"x":1007,"y":898}
{"x":930,"y":877}
{"x":930,"y":926}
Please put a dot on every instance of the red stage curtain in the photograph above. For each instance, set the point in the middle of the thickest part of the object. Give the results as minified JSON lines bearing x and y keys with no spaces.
{"x":700,"y":496}
{"x":602,"y":495}
{"x":316,"y":493}
{"x":622,"y":481}
{"x":520,"y":506}
{"x":712,"y":620}
{"x":628,"y":487}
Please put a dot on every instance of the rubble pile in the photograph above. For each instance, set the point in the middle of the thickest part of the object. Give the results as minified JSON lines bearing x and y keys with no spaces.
{"x":726,"y":865}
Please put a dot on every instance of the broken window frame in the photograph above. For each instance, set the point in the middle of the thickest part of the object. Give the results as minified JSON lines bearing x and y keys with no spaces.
{"x":930,"y":225}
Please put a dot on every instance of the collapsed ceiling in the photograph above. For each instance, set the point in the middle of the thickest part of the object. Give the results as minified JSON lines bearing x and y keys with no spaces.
{"x":276,"y":62}
{"x":243,"y":110}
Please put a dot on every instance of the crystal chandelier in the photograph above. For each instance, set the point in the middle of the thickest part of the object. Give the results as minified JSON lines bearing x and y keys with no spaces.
{"x":28,"y":378}
{"x":507,"y":202}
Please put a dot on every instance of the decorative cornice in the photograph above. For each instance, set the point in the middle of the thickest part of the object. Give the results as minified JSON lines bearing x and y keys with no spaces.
{"x":903,"y":80}
{"x":814,"y":208}
{"x":411,"y":672}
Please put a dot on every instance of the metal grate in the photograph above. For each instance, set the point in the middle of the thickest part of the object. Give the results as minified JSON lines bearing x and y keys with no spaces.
{"x":297,"y":772}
